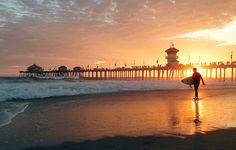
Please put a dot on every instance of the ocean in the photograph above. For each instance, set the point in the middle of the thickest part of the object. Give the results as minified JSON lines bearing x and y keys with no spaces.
{"x":16,"y":93}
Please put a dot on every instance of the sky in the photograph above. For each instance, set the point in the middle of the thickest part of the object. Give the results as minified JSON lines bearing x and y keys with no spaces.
{"x":52,"y":33}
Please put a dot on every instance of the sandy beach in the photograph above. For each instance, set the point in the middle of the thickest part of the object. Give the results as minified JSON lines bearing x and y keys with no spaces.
{"x":214,"y":140}
{"x":129,"y":120}
{"x":117,"y":75}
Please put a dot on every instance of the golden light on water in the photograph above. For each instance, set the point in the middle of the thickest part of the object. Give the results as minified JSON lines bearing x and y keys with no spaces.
{"x":148,"y":114}
{"x":131,"y":114}
{"x":197,"y":108}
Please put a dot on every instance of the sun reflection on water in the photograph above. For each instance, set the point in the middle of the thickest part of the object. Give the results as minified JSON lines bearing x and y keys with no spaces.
{"x":137,"y":114}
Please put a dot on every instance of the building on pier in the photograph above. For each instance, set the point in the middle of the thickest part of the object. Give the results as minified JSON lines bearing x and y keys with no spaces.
{"x":173,"y":70}
{"x":35,"y":69}
{"x":172,"y":58}
{"x":62,"y":68}
{"x":77,"y":68}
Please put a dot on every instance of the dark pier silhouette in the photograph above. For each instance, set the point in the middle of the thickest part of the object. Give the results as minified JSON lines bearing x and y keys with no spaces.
{"x":172,"y":70}
{"x":216,"y":71}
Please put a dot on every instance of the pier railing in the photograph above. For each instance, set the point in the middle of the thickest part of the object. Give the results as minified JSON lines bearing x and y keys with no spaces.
{"x":217,"y":71}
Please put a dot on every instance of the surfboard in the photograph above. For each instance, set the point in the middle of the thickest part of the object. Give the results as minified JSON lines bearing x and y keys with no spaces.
{"x":188,"y":80}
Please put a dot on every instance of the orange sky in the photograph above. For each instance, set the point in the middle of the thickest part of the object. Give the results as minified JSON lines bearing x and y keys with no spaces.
{"x":83,"y":32}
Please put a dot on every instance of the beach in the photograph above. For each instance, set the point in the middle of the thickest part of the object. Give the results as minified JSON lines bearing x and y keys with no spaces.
{"x":158,"y":119}
{"x":117,"y":75}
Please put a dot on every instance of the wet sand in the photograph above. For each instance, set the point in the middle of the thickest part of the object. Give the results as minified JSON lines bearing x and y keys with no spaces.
{"x":132,"y":120}
{"x":214,"y":140}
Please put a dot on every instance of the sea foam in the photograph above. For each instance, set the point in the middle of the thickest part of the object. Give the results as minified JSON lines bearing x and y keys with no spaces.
{"x":22,"y":89}
{"x":9,"y":110}
{"x":33,"y":89}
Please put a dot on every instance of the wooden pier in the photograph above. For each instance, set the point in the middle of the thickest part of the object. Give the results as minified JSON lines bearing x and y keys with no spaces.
{"x":172,"y":70}
{"x":214,"y":71}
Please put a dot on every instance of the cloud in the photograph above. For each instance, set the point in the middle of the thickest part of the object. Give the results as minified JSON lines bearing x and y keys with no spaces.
{"x":114,"y":6}
{"x":99,"y":62}
{"x":110,"y":20}
{"x":18,"y":67}
{"x":81,"y":31}
{"x":223,"y":35}
{"x":172,"y":1}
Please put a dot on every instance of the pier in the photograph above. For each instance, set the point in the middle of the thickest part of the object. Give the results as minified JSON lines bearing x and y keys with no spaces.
{"x":216,"y":71}
{"x":172,"y":70}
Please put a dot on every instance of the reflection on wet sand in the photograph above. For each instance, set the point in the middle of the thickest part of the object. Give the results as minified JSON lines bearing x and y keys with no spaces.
{"x":197,"y":120}
{"x":197,"y":116}
{"x":129,"y":114}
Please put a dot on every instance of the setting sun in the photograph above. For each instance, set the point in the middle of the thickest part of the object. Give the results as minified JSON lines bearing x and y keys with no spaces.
{"x":117,"y":74}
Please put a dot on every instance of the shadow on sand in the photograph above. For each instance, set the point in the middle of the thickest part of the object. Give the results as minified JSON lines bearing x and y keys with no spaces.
{"x":214,"y":140}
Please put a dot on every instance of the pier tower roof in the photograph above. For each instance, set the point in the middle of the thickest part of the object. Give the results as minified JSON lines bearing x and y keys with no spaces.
{"x":172,"y":58}
{"x":172,"y":49}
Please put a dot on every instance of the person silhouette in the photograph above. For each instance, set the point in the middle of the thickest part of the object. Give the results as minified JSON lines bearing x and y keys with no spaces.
{"x":196,"y":81}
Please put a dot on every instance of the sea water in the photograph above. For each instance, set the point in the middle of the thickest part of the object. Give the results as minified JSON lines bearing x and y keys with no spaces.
{"x":23,"y":89}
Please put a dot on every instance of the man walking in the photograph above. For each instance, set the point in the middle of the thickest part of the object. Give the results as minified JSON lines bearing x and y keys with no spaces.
{"x":196,"y":81}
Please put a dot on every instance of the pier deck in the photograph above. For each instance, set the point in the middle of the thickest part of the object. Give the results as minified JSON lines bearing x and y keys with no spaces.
{"x":216,"y":71}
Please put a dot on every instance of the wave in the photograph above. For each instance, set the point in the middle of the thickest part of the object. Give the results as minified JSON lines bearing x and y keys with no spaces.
{"x":28,"y":88}
{"x":9,"y":110}
{"x":22,"y":89}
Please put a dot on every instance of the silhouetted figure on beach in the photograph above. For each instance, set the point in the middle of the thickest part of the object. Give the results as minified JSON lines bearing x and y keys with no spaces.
{"x":196,"y":81}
